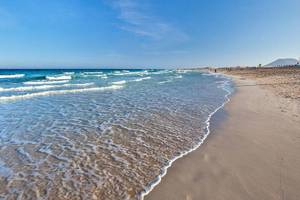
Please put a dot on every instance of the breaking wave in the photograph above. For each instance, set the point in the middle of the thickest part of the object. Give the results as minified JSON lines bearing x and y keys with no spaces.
{"x":12,"y":76}
{"x":57,"y":78}
{"x":141,"y":79}
{"x":44,"y":82}
{"x":57,"y":92}
{"x":119,"y":82}
{"x":43,"y":87}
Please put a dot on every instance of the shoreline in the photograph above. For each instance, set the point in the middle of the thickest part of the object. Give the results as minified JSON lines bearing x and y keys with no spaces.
{"x":208,"y":127}
{"x":201,"y":174}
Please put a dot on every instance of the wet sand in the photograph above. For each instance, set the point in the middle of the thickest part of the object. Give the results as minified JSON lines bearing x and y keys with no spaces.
{"x":252,"y":154}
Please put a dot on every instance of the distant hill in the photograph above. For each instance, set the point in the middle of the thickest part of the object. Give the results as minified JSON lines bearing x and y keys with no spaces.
{"x":282,"y":62}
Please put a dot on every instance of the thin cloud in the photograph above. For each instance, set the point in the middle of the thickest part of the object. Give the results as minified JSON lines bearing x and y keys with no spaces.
{"x":136,"y":19}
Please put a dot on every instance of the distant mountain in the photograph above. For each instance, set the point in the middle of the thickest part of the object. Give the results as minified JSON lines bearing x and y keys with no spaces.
{"x":282,"y":62}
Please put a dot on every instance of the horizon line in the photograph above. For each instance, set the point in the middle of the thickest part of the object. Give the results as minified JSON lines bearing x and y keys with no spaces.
{"x":93,"y":68}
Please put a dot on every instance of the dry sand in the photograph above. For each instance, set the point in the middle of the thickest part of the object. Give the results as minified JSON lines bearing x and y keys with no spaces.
{"x":253,"y":154}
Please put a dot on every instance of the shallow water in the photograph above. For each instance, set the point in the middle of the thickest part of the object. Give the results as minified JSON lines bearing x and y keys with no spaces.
{"x":106,"y":134}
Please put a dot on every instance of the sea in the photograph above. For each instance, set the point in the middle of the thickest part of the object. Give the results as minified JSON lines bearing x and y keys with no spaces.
{"x":100,"y":134}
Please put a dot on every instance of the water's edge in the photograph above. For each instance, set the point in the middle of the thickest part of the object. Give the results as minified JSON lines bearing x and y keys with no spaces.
{"x":158,"y":179}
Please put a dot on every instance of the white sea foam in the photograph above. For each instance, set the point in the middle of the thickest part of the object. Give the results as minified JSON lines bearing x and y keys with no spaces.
{"x":7,"y":76}
{"x":165,"y":169}
{"x":44,"y":82}
{"x":92,"y":73}
{"x":69,"y":73}
{"x":57,"y":92}
{"x":62,"y":128}
{"x":171,"y":79}
{"x":57,"y":78}
{"x":43,"y":87}
{"x":167,"y":81}
{"x":162,"y":72}
{"x":24,"y":155}
{"x":95,"y":75}
{"x":128,"y":73}
{"x":178,"y":76}
{"x":141,"y":79}
{"x":184,"y":71}
{"x":119,"y":82}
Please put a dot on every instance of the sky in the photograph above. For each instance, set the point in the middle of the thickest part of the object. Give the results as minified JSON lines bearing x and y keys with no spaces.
{"x":147,"y":33}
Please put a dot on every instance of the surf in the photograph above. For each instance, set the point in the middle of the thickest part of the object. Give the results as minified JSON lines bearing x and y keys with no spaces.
{"x":7,"y":76}
{"x":58,"y":92}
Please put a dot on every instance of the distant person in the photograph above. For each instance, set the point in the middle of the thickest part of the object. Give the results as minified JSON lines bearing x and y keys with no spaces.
{"x":215,"y":70}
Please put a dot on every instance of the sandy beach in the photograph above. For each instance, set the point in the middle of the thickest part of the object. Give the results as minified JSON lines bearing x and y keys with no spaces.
{"x":253,"y":153}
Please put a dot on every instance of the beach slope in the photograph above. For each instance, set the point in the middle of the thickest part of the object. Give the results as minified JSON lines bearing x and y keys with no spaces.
{"x":252,"y":154}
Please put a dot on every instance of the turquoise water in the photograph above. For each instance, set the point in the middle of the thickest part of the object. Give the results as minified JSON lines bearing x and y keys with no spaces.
{"x":99,"y":134}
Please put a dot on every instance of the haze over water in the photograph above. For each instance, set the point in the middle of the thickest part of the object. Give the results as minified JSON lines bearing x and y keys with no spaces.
{"x":98,"y":134}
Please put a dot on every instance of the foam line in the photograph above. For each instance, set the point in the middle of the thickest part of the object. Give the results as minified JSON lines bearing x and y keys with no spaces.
{"x":93,"y":73}
{"x":167,"y":81}
{"x":56,"y":92}
{"x":12,"y":76}
{"x":180,"y":76}
{"x":141,"y":79}
{"x":44,"y":82}
{"x":69,"y":73}
{"x":119,"y":82}
{"x":125,"y":73}
{"x":42,"y":87}
{"x":165,"y":169}
{"x":58,"y":78}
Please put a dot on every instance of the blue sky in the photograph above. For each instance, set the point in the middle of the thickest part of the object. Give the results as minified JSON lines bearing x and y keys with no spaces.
{"x":143,"y":33}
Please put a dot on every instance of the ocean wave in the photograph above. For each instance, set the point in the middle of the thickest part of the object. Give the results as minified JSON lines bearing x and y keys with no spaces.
{"x":119,"y":82}
{"x":69,"y":73}
{"x":178,"y":76}
{"x":45,"y":82}
{"x":141,"y":79}
{"x":171,"y":79}
{"x":43,"y":87}
{"x":128,"y":73}
{"x":184,"y":71}
{"x":92,"y":73}
{"x":7,"y":76}
{"x":162,"y":72}
{"x":57,"y":78}
{"x":58,"y":92}
{"x":99,"y":118}
{"x":164,"y":170}
{"x":167,"y":81}
{"x":95,"y":75}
